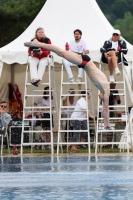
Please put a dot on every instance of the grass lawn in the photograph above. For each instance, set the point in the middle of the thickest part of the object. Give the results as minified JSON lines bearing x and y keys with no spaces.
{"x":27,"y":150}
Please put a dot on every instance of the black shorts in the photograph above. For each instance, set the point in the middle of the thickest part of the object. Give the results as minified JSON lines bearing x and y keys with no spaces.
{"x":85,"y":59}
{"x":104,"y":60}
{"x":46,"y":123}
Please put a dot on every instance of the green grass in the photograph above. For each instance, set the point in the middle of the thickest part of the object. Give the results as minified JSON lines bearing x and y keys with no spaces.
{"x":80,"y":150}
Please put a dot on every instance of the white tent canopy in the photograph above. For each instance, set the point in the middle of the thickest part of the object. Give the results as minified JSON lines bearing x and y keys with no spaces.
{"x":60,"y":18}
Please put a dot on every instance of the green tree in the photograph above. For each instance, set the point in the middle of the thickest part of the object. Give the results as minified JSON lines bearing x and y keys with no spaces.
{"x":120,"y":15}
{"x":126,"y":26}
{"x":119,"y":7}
{"x":16,"y":16}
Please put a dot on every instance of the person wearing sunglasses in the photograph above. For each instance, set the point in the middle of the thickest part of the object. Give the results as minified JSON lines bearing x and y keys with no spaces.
{"x":111,"y":53}
{"x":4,"y":116}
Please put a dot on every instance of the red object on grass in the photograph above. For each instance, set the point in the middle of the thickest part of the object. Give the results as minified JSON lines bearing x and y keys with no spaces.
{"x":15,"y":150}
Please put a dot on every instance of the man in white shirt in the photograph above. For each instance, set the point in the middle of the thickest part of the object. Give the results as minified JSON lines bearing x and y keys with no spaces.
{"x":111,"y":53}
{"x":80,"y":113}
{"x":78,"y":46}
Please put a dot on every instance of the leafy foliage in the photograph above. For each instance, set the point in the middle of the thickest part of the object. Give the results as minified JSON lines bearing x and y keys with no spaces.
{"x":15,"y":17}
{"x":120,"y":15}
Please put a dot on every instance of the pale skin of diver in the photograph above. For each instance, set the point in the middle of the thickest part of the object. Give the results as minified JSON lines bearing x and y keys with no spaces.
{"x":96,"y":76}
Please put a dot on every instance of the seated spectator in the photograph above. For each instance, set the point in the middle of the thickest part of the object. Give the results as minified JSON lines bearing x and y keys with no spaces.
{"x":111,"y":53}
{"x":68,"y":101}
{"x":4,"y":117}
{"x":38,"y":56}
{"x":80,"y":111}
{"x":45,"y":102}
{"x":78,"y":46}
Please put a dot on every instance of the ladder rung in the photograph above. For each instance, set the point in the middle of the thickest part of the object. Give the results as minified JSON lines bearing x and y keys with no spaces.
{"x":119,"y":82}
{"x":39,"y":84}
{"x":68,"y":95}
{"x":73,"y":118}
{"x":115,"y":106}
{"x":108,"y":131}
{"x":35,"y":107}
{"x":69,"y":131}
{"x":38,"y":131}
{"x":79,"y":90}
{"x":70,"y":111}
{"x":34,"y":111}
{"x":36,"y":143}
{"x":37,"y":95}
{"x":65,"y":143}
{"x":43,"y":91}
{"x":111,"y":142}
{"x":116,"y":94}
{"x":36,"y":119}
{"x":70,"y":107}
{"x":75,"y":83}
{"x":112,"y":118}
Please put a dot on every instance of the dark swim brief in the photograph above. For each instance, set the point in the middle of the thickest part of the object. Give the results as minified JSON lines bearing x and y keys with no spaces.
{"x":85,"y":59}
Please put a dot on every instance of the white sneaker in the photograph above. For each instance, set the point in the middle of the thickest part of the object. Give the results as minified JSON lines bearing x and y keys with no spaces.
{"x":78,"y":80}
{"x":72,"y":80}
{"x":111,"y":78}
{"x":117,"y":71}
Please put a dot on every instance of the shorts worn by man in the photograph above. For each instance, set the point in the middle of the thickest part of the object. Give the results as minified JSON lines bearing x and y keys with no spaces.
{"x":111,"y":53}
{"x":78,"y":46}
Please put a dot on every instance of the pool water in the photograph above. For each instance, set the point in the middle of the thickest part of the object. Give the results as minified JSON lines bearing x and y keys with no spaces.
{"x":70,"y":177}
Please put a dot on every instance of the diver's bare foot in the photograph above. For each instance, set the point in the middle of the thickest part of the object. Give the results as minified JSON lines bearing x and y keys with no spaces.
{"x":30,"y":44}
{"x":33,"y":43}
{"x":36,"y":42}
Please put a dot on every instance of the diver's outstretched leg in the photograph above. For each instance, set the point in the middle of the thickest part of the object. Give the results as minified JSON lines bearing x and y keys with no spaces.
{"x":106,"y":108}
{"x":70,"y":56}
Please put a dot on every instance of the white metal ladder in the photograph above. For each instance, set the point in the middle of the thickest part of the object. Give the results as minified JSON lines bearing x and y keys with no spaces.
{"x":100,"y":124}
{"x":1,"y":67}
{"x":84,"y":84}
{"x":2,"y":138}
{"x":32,"y":109}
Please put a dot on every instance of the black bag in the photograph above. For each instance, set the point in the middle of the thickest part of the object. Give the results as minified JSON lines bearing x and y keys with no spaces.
{"x":2,"y":130}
